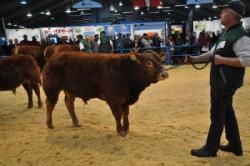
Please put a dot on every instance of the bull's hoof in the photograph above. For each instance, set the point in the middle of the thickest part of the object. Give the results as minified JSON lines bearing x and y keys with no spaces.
{"x":50,"y":126}
{"x":40,"y":104}
{"x":30,"y":105}
{"x":122,"y":133}
{"x":77,"y":125}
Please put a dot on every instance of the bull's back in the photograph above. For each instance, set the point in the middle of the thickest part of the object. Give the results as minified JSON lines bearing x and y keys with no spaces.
{"x":15,"y":70}
{"x":78,"y":74}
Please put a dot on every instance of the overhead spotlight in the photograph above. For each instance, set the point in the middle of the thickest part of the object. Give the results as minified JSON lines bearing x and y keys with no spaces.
{"x":197,"y":6}
{"x":23,"y":2}
{"x":112,"y":8}
{"x":160,"y":3}
{"x":47,"y":13}
{"x":159,"y":7}
{"x":68,"y":11}
{"x":136,"y":8}
{"x":214,"y":6}
{"x":42,"y":12}
{"x":29,"y":14}
{"x":120,"y":3}
{"x":186,"y":7}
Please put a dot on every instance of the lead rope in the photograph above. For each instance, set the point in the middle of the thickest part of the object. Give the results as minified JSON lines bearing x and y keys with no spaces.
{"x":193,"y":64}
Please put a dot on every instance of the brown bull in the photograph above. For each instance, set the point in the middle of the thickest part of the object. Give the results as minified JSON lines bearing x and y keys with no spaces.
{"x":20,"y":70}
{"x":54,"y":49}
{"x":35,"y":51}
{"x":117,"y":79}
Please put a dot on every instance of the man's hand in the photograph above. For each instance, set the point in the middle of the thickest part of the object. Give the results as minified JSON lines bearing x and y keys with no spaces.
{"x":230,"y":61}
{"x":188,"y":59}
{"x":218,"y":60}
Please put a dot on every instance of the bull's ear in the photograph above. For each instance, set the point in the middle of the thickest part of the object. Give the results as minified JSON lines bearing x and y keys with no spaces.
{"x":135,"y":58}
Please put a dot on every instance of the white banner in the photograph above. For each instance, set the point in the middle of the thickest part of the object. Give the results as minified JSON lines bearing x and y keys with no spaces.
{"x":18,"y":34}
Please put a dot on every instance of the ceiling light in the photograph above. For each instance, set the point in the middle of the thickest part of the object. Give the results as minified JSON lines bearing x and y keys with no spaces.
{"x":112,"y":8}
{"x":42,"y":12}
{"x":29,"y":14}
{"x":68,"y":11}
{"x":23,"y":2}
{"x":197,"y":6}
{"x":186,"y":7}
{"x":136,"y":8}
{"x":180,"y":5}
{"x":47,"y":13}
{"x":9,"y":23}
{"x":159,"y":7}
{"x":120,"y":3}
{"x":214,"y":6}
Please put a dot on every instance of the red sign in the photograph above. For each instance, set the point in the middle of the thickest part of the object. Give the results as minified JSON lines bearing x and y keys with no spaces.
{"x":147,"y":3}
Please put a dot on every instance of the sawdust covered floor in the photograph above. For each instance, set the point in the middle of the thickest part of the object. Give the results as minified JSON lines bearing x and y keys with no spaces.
{"x":170,"y":118}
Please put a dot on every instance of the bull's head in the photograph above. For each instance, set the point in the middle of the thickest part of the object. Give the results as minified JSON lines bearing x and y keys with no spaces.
{"x":151,"y":63}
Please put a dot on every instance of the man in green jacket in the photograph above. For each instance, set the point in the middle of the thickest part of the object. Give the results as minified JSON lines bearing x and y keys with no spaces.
{"x":229,"y":57}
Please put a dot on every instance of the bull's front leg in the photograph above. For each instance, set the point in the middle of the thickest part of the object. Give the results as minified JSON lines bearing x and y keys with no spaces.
{"x":125,"y":113}
{"x":117,"y":112}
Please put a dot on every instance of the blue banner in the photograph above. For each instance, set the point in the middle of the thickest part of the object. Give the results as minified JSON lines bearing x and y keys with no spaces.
{"x":88,"y":4}
{"x":192,"y":2}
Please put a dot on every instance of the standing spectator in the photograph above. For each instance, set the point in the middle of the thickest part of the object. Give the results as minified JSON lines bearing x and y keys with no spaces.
{"x":128,"y":43}
{"x":34,"y":42}
{"x":119,"y":43}
{"x":95,"y":46}
{"x":157,"y":42}
{"x":106,"y":45}
{"x":10,"y":47}
{"x":25,"y":40}
{"x":146,"y":43}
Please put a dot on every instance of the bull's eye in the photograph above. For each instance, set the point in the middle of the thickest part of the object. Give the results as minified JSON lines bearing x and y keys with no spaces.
{"x":149,"y":64}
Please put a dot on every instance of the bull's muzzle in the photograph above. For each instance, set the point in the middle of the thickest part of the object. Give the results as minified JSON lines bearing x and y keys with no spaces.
{"x":163,"y":75}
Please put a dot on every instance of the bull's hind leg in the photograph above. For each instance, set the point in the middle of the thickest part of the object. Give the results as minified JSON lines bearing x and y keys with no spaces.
{"x":35,"y":86}
{"x":69,"y":102}
{"x":117,"y":112}
{"x":28,"y":89}
{"x":50,"y":104}
{"x":125,"y":113}
{"x":52,"y":97}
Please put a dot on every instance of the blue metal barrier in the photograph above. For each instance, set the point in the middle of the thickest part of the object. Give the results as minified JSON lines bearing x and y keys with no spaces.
{"x":169,"y":51}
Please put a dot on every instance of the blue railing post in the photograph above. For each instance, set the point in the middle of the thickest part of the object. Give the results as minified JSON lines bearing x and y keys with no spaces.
{"x":168,"y":54}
